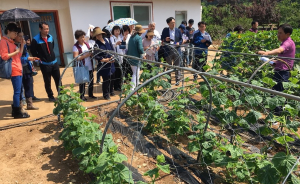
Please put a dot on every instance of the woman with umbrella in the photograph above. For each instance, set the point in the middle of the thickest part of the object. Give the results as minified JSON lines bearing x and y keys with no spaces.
{"x":8,"y":50}
{"x":108,"y":68}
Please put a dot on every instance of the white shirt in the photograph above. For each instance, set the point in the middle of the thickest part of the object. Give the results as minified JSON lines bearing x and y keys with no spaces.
{"x":117,"y":49}
{"x":156,"y":36}
{"x":88,"y":62}
{"x":172,"y":34}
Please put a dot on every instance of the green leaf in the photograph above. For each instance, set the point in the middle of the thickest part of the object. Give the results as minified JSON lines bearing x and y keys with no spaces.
{"x":284,"y":163}
{"x":269,"y":81}
{"x":119,"y":157}
{"x":264,"y":130}
{"x":292,"y":125}
{"x":193,"y":146}
{"x":275,"y":102}
{"x":256,"y":83}
{"x":209,"y":135}
{"x":124,"y":173}
{"x":254,"y":100}
{"x":237,"y":103}
{"x":268,"y":175}
{"x":160,"y":159}
{"x":102,"y":162}
{"x":152,"y":172}
{"x":284,"y":139}
{"x":233,"y":92}
{"x":293,"y":179}
{"x":219,"y":99}
{"x":80,"y":151}
{"x":253,"y":116}
{"x":291,"y":110}
{"x":164,"y":168}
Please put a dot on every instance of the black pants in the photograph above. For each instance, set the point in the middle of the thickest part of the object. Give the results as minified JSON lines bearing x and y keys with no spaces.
{"x":108,"y":85}
{"x":27,"y":81}
{"x":48,"y":71}
{"x":98,"y":69}
{"x":118,"y":76}
{"x":198,"y":65}
{"x":90,"y":87}
{"x":279,"y":77}
{"x":127,"y":71}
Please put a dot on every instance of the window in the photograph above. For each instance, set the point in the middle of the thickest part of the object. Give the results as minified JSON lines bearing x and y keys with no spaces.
{"x":179,"y":17}
{"x":141,"y":12}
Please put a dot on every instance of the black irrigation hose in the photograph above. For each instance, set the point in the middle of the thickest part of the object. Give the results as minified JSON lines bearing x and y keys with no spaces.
{"x":25,"y":123}
{"x":123,"y":101}
{"x":148,"y":148}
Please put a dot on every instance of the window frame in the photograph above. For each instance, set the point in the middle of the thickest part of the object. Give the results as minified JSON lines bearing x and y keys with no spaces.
{"x":131,"y":5}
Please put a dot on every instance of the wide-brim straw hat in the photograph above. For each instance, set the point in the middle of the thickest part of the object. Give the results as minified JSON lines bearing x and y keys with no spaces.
{"x":97,"y":31}
{"x":139,"y":29}
{"x":150,"y":33}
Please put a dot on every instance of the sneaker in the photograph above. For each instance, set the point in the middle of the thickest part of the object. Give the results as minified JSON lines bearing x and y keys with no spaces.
{"x":106,"y":97}
{"x":112,"y":94}
{"x":93,"y":97}
{"x":34,"y":98}
{"x":83,"y":99}
{"x":24,"y":102}
{"x":52,"y":99}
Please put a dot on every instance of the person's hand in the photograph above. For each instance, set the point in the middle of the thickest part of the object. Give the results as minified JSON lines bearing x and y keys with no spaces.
{"x":144,"y":57}
{"x":23,"y":42}
{"x":17,"y":50}
{"x":168,"y":39}
{"x":263,"y":53}
{"x":177,"y":43}
{"x":118,"y":43}
{"x":125,"y":38}
{"x":33,"y":58}
{"x":203,"y":40}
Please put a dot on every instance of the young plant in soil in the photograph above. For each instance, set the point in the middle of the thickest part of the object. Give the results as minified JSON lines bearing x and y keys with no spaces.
{"x":82,"y":136}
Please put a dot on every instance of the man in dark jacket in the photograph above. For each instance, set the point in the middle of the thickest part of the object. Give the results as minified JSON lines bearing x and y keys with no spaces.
{"x":173,"y":36}
{"x":42,"y":46}
{"x":201,"y":40}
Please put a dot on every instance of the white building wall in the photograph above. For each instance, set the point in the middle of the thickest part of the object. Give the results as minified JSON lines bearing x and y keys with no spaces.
{"x":98,"y":12}
{"x":166,"y":8}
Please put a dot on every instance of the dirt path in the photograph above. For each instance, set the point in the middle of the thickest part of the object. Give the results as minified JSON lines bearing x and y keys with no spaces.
{"x":33,"y":154}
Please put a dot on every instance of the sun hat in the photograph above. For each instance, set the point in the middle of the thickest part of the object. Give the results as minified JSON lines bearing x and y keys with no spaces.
{"x":139,"y":29}
{"x":97,"y":31}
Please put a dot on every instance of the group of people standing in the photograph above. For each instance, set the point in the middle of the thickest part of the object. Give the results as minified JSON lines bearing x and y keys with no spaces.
{"x":13,"y":46}
{"x":123,"y":40}
{"x":139,"y":43}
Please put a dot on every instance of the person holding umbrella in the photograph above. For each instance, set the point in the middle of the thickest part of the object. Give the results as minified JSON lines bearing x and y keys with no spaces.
{"x":42,"y":46}
{"x":8,"y":50}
